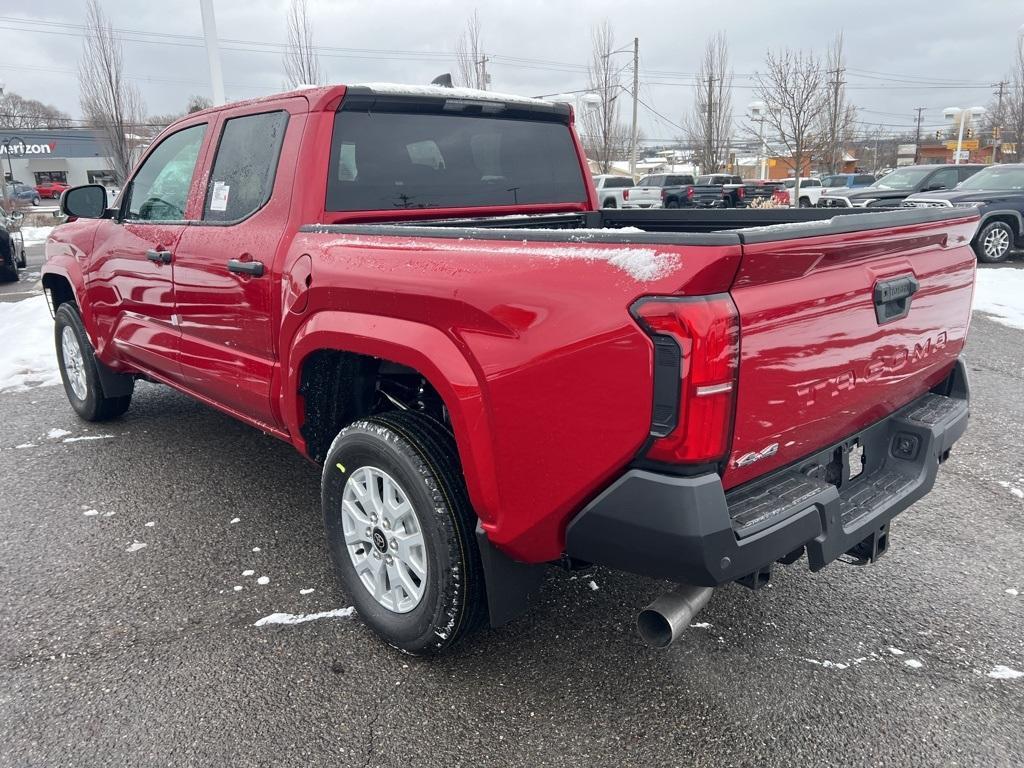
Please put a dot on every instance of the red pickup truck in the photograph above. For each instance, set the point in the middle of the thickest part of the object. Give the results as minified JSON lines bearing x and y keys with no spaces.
{"x":416,"y":288}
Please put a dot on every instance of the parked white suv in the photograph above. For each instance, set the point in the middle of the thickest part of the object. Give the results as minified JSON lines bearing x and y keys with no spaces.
{"x":610,"y":189}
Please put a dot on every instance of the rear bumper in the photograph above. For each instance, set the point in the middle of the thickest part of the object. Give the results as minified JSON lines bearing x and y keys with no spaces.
{"x":689,"y":530}
{"x":652,"y":204}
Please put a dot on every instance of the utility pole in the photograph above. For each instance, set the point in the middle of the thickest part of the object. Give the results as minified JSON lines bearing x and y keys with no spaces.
{"x":709,"y":133}
{"x":636,"y":97}
{"x":834,"y":128}
{"x":964,"y":117}
{"x":917,"y":135}
{"x":482,"y":67}
{"x":212,"y":51}
{"x":997,"y":129}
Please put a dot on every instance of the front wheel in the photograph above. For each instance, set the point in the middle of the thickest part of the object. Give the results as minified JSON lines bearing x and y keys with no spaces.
{"x":79,"y":369}
{"x":401,"y":531}
{"x":994,"y":242}
{"x":36,"y":200}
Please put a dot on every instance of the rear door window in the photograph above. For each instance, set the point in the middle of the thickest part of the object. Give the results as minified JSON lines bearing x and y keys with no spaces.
{"x":245,"y":166}
{"x":944,"y":179}
{"x":399,"y":160}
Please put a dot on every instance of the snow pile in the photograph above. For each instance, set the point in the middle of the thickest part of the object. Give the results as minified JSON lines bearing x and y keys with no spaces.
{"x":301,"y":618}
{"x":1002,"y":672}
{"x":642,"y":264}
{"x":35,"y":235}
{"x":27,"y":357}
{"x":1000,"y":293}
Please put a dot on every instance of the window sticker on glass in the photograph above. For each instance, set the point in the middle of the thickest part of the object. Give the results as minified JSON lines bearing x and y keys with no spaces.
{"x":219,"y":200}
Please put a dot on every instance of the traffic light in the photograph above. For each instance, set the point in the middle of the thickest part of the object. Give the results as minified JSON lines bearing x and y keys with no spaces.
{"x":938,"y":135}
{"x":996,"y":132}
{"x":969,"y":133}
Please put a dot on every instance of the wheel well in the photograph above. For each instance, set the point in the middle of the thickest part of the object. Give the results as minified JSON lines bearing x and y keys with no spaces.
{"x":339,"y":387}
{"x":59,"y":289}
{"x":1011,"y":221}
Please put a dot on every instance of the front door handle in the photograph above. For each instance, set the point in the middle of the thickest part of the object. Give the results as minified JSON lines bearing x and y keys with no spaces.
{"x":252,"y":268}
{"x":160,"y":257}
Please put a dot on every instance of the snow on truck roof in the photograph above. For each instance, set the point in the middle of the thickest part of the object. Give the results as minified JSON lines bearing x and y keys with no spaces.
{"x":451,"y":93}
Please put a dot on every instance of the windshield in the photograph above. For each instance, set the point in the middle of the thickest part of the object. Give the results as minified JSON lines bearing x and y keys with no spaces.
{"x":706,"y":180}
{"x":903,"y":178}
{"x":835,"y":181}
{"x":652,"y":181}
{"x":393,"y":160}
{"x":996,"y":178}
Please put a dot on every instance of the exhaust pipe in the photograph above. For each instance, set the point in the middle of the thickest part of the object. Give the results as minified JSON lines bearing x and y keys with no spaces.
{"x":662,"y":622}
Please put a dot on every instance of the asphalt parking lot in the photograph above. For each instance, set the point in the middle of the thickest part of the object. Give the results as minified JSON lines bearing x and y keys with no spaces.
{"x":120,"y":654}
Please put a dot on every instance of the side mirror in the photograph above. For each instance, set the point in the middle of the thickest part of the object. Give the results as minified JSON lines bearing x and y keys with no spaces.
{"x":88,"y":201}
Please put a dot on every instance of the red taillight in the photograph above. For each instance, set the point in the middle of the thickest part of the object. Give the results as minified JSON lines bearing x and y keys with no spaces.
{"x":625,"y":194}
{"x":663,"y":193}
{"x":689,"y":193}
{"x":740,"y":192}
{"x":706,"y":331}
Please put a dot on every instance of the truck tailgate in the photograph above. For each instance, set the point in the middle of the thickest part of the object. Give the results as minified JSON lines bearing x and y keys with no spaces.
{"x":645,"y":196}
{"x":826,"y":348}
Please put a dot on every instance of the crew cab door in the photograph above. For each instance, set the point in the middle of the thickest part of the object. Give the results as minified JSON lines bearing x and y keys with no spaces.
{"x":227,"y":266}
{"x":129,"y":280}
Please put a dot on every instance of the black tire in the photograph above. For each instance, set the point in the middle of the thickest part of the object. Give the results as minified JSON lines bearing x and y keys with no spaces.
{"x":420,"y":455}
{"x":8,"y":262}
{"x":994,"y":242}
{"x":22,"y":259}
{"x":36,"y":200}
{"x":609,"y":203}
{"x":95,"y":406}
{"x":805,"y":202}
{"x":672,"y":203}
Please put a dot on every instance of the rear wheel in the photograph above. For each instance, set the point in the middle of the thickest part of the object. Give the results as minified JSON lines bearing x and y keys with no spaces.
{"x":36,"y":200}
{"x":609,"y":203}
{"x":805,"y":202}
{"x":8,"y":261}
{"x":994,"y":242}
{"x":672,"y":203}
{"x":79,"y":369}
{"x":401,"y":531}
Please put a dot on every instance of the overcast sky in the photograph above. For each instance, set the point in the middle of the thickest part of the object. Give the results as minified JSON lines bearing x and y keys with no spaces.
{"x":901,"y":55}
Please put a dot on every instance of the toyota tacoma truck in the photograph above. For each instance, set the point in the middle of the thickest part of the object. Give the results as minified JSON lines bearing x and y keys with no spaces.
{"x":416,"y":288}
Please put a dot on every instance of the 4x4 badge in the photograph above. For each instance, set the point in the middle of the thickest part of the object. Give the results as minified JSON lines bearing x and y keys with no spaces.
{"x":754,"y":456}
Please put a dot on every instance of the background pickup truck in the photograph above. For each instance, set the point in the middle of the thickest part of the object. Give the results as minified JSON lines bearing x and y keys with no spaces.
{"x":718,"y":190}
{"x":661,"y":191}
{"x":611,"y":190}
{"x":415,"y":287}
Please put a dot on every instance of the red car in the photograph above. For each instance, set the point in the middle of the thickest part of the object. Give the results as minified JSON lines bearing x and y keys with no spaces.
{"x":51,"y":189}
{"x":417,"y":289}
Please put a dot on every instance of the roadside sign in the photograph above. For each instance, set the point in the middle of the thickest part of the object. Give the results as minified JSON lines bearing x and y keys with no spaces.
{"x":963,"y":155}
{"x":965,"y":144}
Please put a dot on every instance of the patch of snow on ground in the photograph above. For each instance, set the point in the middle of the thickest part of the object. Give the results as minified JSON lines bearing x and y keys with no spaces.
{"x":1012,"y":592}
{"x":300,"y":618}
{"x":913,"y":663}
{"x":35,"y":235}
{"x":1001,"y":672}
{"x":263,"y":580}
{"x":91,"y":512}
{"x":26,"y":445}
{"x":150,"y":524}
{"x":896,"y":651}
{"x":27,"y":356}
{"x":235,"y":520}
{"x":135,"y":546}
{"x":306,"y":591}
{"x":86,"y":437}
{"x":1000,"y":294}
{"x":701,"y":625}
{"x":248,"y":572}
{"x":238,"y":588}
{"x":593,"y":585}
{"x":56,"y":433}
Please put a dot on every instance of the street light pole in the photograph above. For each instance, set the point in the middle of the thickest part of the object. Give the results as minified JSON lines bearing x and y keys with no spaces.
{"x":212,"y":51}
{"x":636,"y":89}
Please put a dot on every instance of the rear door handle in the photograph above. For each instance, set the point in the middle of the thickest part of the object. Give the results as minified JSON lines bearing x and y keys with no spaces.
{"x":160,"y":257}
{"x":253,"y":268}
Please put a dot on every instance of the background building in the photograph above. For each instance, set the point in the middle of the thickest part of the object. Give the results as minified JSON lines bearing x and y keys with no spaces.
{"x":69,"y":155}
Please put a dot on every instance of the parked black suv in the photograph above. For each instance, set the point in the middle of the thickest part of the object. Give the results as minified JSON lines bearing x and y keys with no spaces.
{"x":998,"y":194}
{"x":893,"y":188}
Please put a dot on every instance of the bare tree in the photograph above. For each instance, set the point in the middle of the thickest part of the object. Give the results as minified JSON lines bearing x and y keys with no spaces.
{"x":109,"y":102}
{"x":604,"y":138}
{"x":196,"y":103}
{"x":1012,"y":117}
{"x":791,"y":89}
{"x":709,"y":126}
{"x":469,"y":55}
{"x":18,"y":112}
{"x":838,"y":116}
{"x":301,"y":63}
